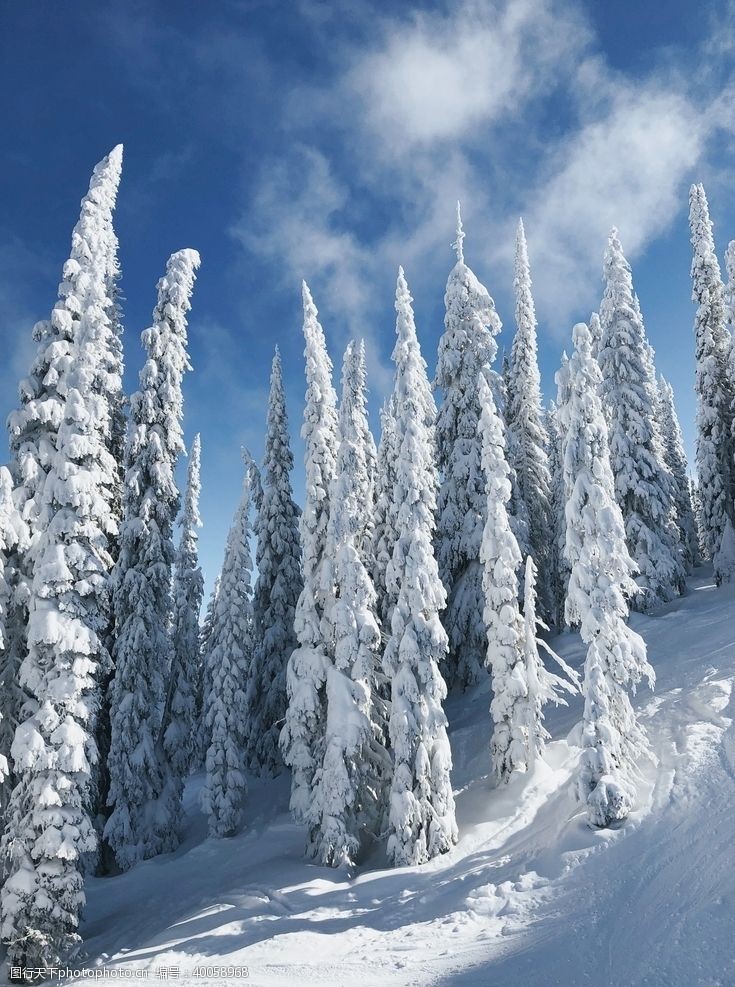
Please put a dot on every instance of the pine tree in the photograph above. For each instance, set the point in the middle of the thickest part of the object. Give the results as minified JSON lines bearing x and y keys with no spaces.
{"x":421,"y":821}
{"x":466,"y":349}
{"x":348,"y":785}
{"x":527,"y":441}
{"x":600,"y":581}
{"x":677,"y":463}
{"x":303,"y":733}
{"x":49,"y":829}
{"x":277,"y":588}
{"x":178,"y":734}
{"x":384,"y":535}
{"x":141,"y":583}
{"x":227,"y":659}
{"x":643,"y":482}
{"x":714,"y":400}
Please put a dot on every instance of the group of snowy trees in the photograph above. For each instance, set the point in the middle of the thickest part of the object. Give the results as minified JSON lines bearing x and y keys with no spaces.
{"x":424,"y":564}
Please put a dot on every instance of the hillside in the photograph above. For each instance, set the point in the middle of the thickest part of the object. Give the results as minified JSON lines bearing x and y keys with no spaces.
{"x":530,"y":896}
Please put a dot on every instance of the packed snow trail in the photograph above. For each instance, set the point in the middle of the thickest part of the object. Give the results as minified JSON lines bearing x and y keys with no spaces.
{"x":530,"y":896}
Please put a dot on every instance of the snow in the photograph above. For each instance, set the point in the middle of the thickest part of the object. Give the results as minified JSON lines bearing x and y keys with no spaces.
{"x":531,"y":895}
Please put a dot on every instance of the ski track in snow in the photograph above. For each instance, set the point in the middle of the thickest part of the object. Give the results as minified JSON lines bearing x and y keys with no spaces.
{"x":530,"y":896}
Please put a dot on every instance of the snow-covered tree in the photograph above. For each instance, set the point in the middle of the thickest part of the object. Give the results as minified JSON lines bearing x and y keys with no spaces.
{"x":371,"y":467}
{"x":33,"y":427}
{"x":714,"y":397}
{"x":676,"y":461}
{"x":14,"y":539}
{"x":421,"y":821}
{"x":49,"y":828}
{"x":178,"y":727}
{"x":521,"y":685}
{"x":349,"y":782}
{"x":557,"y":563}
{"x":384,"y":536}
{"x":302,"y":735}
{"x":527,"y":440}
{"x":643,"y":481}
{"x":227,"y":662}
{"x":142,"y":577}
{"x":601,"y":579}
{"x":466,"y":349}
{"x":277,"y":589}
{"x":697,"y":508}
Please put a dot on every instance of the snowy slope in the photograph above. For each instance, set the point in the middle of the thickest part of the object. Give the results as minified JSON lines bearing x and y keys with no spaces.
{"x":530,"y":896}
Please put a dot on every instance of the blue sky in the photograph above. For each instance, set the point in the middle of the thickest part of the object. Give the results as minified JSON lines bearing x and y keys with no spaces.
{"x":330,"y":141}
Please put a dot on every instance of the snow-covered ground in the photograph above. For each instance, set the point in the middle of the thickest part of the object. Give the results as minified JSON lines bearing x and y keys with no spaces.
{"x":530,"y":896}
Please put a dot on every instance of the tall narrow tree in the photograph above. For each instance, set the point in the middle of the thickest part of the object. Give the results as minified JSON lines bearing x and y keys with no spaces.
{"x":384,"y":536}
{"x":277,"y":588}
{"x":526,"y":431}
{"x":466,"y":350}
{"x":227,"y":664}
{"x":178,"y":734}
{"x":49,"y":828}
{"x":421,"y":822}
{"x":349,"y":783}
{"x":601,"y":578}
{"x":142,"y":577}
{"x":676,"y":461}
{"x":302,"y":735}
{"x":643,"y":481}
{"x":714,"y":398}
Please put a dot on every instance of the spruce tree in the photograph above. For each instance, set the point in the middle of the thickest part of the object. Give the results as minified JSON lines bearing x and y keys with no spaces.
{"x":714,"y":399}
{"x":421,"y":822}
{"x":142,"y":602}
{"x":178,"y":733}
{"x":302,"y":735}
{"x":557,"y":563}
{"x":349,"y":782}
{"x":601,"y":579}
{"x":677,"y":463}
{"x":277,"y":588}
{"x":595,"y":328}
{"x":205,"y":646}
{"x":527,"y":440}
{"x":643,"y":481}
{"x":49,"y":827}
{"x":466,"y":349}
{"x":227,"y":660}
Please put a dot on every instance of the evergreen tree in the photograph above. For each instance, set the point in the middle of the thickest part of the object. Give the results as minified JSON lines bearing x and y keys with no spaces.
{"x":677,"y":463}
{"x":714,"y":398}
{"x":600,"y":581}
{"x":643,"y":482}
{"x":371,"y":468}
{"x":521,"y":685}
{"x":466,"y":349}
{"x":227,"y":663}
{"x":178,"y":733}
{"x":303,"y":733}
{"x":526,"y":432}
{"x":141,"y":581}
{"x":421,"y":821}
{"x":49,"y":829}
{"x":277,"y":588}
{"x":699,"y":520}
{"x":348,"y":785}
